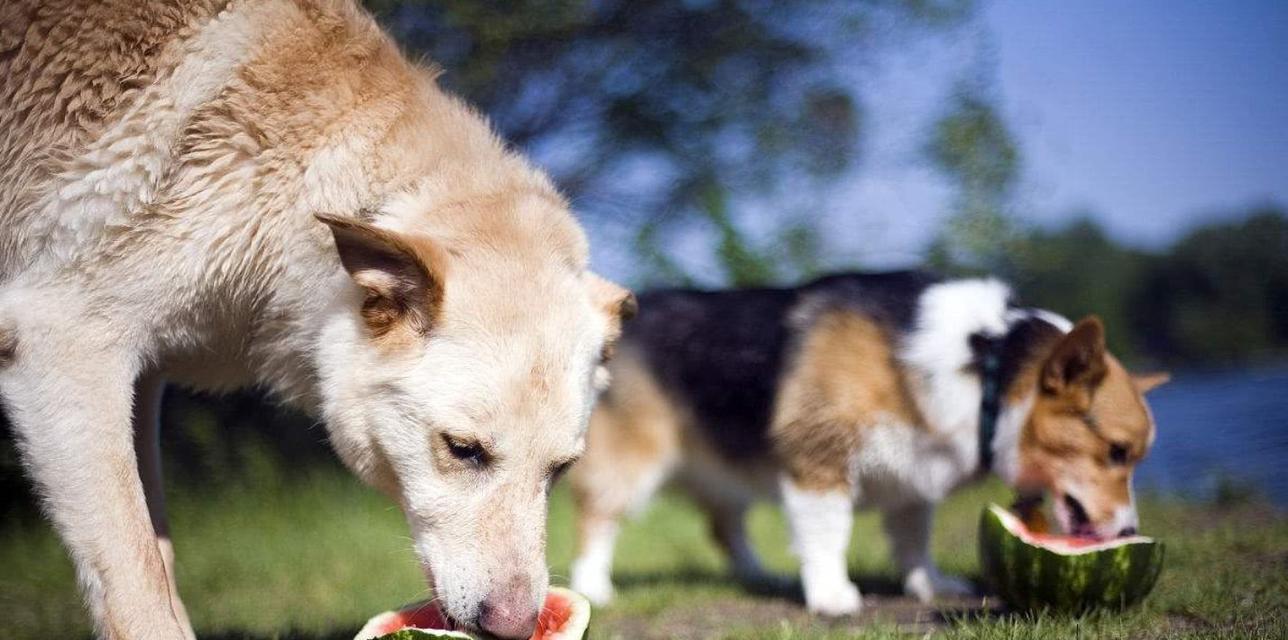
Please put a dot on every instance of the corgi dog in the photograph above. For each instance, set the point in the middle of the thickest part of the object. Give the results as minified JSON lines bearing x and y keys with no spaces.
{"x":222,"y":194}
{"x":857,"y":390}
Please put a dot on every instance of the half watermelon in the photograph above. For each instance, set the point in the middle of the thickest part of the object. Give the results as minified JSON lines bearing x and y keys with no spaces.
{"x":1064,"y":573}
{"x":565,"y":616}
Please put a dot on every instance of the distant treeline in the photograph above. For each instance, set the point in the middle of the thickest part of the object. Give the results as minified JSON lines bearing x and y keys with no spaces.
{"x":1218,"y":296}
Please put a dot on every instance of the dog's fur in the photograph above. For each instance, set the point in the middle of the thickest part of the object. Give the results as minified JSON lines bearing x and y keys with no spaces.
{"x":855,"y":389}
{"x":223,"y":194}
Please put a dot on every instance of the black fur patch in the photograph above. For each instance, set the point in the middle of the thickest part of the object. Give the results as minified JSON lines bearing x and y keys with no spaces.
{"x":721,"y":353}
{"x":1016,"y":347}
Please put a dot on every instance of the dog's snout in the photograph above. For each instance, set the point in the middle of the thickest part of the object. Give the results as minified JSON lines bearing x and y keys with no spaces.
{"x":1127,"y":531}
{"x":509,"y":612}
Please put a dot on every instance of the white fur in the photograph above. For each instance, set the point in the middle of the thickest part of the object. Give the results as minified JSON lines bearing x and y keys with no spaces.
{"x":592,"y":570}
{"x":899,"y":463}
{"x":820,"y":524}
{"x":937,"y":353}
{"x":1006,"y":440}
{"x":937,"y":356}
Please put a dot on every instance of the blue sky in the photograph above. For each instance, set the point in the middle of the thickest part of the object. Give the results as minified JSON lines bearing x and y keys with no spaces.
{"x":1152,"y":116}
{"x":1156,"y":115}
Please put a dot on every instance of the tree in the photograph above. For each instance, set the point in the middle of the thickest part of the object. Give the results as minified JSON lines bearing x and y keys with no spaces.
{"x":1079,"y":270}
{"x":1221,"y":294}
{"x":642,"y":110}
{"x":972,"y":147}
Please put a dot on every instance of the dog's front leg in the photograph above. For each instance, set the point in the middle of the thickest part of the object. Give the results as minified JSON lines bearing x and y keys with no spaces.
{"x":147,"y":446}
{"x":69,"y":391}
{"x":909,"y":528}
{"x":820,"y":522}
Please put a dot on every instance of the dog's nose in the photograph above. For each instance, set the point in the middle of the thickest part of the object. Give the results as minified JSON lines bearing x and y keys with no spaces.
{"x":509,"y":613}
{"x":1127,"y":531}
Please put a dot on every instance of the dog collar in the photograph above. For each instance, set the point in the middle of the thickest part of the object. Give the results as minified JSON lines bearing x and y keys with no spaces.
{"x":990,"y":403}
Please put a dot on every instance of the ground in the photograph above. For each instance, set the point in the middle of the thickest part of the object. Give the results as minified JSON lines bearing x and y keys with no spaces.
{"x":311,"y":556}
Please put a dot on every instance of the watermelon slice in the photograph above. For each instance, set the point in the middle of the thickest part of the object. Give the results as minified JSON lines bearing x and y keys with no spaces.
{"x":565,"y":617}
{"x":1065,"y":573}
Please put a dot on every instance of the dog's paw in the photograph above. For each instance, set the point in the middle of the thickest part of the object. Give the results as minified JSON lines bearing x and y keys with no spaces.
{"x":927,"y":584}
{"x":598,"y":589}
{"x":837,"y":600}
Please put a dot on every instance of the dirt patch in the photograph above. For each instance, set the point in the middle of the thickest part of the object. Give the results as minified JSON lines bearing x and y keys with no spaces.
{"x":724,"y":617}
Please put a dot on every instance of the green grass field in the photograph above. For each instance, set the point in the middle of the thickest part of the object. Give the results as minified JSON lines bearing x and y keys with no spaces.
{"x":313,"y":557}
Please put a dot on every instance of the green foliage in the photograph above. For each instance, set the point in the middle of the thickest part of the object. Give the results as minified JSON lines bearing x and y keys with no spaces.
{"x":1221,"y":294}
{"x":972,"y":147}
{"x":642,"y":109}
{"x":1218,"y":296}
{"x":1080,"y":271}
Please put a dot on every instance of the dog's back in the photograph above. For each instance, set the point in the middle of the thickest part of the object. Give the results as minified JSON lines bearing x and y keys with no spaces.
{"x":722,"y":355}
{"x":71,"y":70}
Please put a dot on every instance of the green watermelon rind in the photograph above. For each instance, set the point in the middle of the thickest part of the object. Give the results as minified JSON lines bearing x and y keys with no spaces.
{"x":423,"y":634}
{"x":1031,"y":577}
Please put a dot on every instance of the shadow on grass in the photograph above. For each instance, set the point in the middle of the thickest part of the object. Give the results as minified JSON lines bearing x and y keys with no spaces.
{"x":774,"y":586}
{"x":885,"y":601}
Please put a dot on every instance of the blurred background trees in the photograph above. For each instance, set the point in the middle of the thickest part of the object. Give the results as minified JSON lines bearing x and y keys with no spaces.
{"x":695,"y":136}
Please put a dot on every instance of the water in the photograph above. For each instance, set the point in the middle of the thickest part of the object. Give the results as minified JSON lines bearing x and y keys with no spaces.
{"x":1220,"y":429}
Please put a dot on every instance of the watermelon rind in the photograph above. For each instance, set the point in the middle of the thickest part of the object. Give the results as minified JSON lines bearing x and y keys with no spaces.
{"x":423,"y":634}
{"x":1030,"y":574}
{"x":579,"y":620}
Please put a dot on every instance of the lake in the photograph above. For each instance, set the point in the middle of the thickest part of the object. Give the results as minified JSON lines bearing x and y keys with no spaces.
{"x":1220,"y":428}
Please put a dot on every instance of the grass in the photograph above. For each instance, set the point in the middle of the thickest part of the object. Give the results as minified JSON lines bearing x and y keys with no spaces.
{"x":313,"y":556}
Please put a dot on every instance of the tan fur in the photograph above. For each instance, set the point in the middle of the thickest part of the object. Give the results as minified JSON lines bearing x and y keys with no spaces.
{"x":1086,"y":403}
{"x":163,"y":168}
{"x":632,"y":435}
{"x":844,"y":378}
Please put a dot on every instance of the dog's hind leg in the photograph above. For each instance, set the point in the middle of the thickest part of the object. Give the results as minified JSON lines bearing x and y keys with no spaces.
{"x":147,"y":446}
{"x":728,"y":515}
{"x":820,"y":520}
{"x":909,"y":528}
{"x":69,"y":397}
{"x":629,"y":455}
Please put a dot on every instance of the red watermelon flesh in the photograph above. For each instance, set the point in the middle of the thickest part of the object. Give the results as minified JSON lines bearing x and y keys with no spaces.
{"x":565,"y":616}
{"x":1033,"y":527}
{"x":1069,"y":542}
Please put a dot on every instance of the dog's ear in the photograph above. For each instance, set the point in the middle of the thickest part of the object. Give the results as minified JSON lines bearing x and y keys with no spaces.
{"x":617,"y":303}
{"x":402,"y":276}
{"x":1146,"y":382}
{"x":1077,"y":364}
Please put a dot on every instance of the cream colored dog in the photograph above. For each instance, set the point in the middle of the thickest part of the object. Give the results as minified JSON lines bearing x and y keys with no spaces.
{"x":223,"y":194}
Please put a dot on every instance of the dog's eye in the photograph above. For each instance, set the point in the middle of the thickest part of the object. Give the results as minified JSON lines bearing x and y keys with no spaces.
{"x":471,"y":452}
{"x":1118,"y":453}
